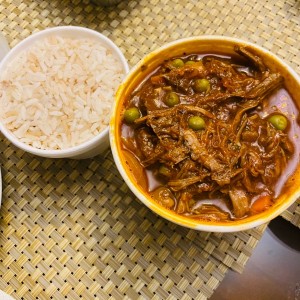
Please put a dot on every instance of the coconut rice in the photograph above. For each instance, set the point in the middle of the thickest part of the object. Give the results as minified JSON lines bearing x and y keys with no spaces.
{"x":58,"y":93}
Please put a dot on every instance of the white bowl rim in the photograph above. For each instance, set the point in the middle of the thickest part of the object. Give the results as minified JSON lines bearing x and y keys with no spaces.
{"x":81,"y":148}
{"x":231,"y":226}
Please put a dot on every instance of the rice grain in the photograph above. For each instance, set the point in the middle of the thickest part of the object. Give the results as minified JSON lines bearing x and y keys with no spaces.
{"x":58,"y":93}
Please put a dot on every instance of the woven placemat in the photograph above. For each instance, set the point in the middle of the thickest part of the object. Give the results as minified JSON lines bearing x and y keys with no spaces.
{"x":72,"y":229}
{"x":292,"y":214}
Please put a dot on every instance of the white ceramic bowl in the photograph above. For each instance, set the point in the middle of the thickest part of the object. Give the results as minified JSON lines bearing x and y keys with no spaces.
{"x":97,"y":144}
{"x":203,"y":44}
{"x":4,"y":49}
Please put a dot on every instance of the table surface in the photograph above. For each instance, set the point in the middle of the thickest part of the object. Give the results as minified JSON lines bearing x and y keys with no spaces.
{"x":272,"y":272}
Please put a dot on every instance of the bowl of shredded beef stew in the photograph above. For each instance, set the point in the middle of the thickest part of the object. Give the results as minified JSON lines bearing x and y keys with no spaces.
{"x":205,"y":132}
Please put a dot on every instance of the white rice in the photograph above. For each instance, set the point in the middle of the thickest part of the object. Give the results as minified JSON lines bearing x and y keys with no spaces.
{"x":59,"y":93}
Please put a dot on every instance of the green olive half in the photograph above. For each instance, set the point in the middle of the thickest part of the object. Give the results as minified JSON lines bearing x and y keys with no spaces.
{"x":202,"y":85}
{"x":172,"y":99}
{"x":280,"y":122}
{"x":177,"y":63}
{"x":196,"y":123}
{"x":131,"y":114}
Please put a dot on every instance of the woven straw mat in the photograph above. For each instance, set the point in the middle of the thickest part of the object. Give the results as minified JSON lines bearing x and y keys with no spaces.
{"x":72,"y":229}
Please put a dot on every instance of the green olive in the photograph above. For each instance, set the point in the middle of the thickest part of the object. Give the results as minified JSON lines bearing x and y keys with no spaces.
{"x":189,"y":62}
{"x":278,"y":121}
{"x":131,"y":114}
{"x":172,"y":99}
{"x":196,"y":123}
{"x":202,"y":85}
{"x":177,"y":63}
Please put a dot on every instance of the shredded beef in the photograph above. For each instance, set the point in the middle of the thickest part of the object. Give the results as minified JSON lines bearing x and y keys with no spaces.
{"x":237,"y":156}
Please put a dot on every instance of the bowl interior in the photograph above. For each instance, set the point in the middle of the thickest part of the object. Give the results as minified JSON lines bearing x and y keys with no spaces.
{"x":205,"y":44}
{"x":65,"y":32}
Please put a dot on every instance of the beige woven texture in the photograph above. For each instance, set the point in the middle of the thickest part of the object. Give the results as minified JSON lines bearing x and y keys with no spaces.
{"x":292,"y":214}
{"x":72,"y":229}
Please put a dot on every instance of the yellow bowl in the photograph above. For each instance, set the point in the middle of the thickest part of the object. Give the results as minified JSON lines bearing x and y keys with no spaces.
{"x":207,"y":44}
